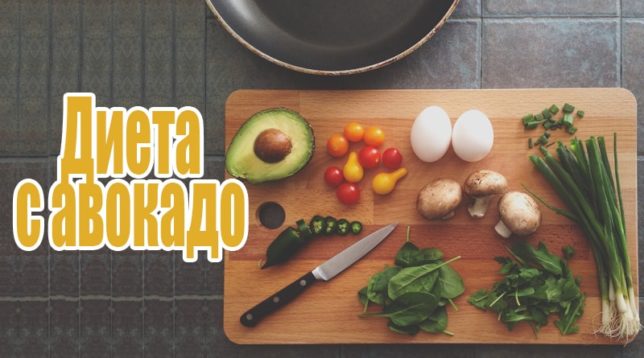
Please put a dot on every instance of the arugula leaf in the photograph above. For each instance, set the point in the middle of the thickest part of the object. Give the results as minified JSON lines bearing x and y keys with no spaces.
{"x":362,"y":296}
{"x":568,"y":252}
{"x":535,"y":284}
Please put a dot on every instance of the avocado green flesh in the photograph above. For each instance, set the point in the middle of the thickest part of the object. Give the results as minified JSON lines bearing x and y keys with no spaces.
{"x":243,"y":163}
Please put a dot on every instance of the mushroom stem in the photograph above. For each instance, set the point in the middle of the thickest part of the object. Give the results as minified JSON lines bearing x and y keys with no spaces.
{"x":448,"y":216}
{"x":502,"y":229}
{"x":478,"y":208}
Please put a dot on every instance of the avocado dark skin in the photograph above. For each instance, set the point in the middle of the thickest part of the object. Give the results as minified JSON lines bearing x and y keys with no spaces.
{"x":272,"y":145}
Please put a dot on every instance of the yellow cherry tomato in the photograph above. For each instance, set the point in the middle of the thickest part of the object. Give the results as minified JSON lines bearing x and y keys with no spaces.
{"x":337,"y":145}
{"x":374,"y":136}
{"x":354,"y":132}
{"x":352,"y":170}
{"x":384,"y":183}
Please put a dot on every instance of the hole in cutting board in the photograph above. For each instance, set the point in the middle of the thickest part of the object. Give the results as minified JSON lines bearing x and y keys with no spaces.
{"x":271,"y":214}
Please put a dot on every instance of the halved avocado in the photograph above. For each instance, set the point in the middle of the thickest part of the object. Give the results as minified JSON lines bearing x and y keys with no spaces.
{"x":272,"y":144}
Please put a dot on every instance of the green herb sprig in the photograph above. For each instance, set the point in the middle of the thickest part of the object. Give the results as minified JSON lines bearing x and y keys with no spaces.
{"x":535,"y":285}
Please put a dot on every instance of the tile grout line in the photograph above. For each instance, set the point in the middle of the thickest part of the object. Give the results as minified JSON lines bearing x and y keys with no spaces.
{"x":145,"y":101}
{"x":80,"y":87}
{"x":619,"y":44}
{"x":480,"y":53}
{"x":111,"y":302}
{"x":49,"y":125}
{"x":64,"y":298}
{"x":480,"y":40}
{"x":174,"y":99}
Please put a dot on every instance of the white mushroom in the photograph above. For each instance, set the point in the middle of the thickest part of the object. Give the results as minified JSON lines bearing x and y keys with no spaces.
{"x":481,"y":186}
{"x":438,"y":199}
{"x":520,"y":215}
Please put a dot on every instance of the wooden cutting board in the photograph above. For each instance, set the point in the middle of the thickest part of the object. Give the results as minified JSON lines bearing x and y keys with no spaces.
{"x":328,"y":312}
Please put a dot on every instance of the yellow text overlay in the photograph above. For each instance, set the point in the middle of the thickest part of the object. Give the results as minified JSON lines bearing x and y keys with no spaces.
{"x":103,"y":196}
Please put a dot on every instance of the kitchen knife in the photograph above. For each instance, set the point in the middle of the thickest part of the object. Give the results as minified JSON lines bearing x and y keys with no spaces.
{"x":324,"y":272}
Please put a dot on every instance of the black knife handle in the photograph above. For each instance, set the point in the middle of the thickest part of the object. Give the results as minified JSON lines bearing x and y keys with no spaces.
{"x":281,"y":298}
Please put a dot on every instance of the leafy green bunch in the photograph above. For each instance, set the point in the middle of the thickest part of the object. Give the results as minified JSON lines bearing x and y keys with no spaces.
{"x":535,"y":285}
{"x":414,"y":293}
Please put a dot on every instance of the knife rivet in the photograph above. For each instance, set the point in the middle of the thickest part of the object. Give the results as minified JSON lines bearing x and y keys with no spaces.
{"x":302,"y":283}
{"x":276,"y":299}
{"x":249,"y":317}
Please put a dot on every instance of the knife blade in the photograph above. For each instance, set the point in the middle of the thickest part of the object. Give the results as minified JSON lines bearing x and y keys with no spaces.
{"x":325,"y":272}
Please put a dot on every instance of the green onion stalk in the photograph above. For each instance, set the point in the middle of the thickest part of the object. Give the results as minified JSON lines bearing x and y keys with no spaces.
{"x":581,"y":176}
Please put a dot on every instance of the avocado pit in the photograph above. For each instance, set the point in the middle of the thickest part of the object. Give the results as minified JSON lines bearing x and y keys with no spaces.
{"x":272,"y":145}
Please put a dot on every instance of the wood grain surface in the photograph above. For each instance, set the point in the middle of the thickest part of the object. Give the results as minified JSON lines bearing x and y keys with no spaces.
{"x":328,"y":312}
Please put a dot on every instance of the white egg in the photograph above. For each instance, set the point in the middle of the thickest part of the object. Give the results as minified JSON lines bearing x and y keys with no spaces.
{"x":431,"y":134}
{"x":473,"y":136}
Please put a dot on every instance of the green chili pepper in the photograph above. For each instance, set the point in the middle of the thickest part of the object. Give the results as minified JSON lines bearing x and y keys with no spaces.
{"x":356,"y":227}
{"x":330,"y":223}
{"x":343,"y":227}
{"x":317,"y":225}
{"x":304,"y":229}
{"x":283,"y":247}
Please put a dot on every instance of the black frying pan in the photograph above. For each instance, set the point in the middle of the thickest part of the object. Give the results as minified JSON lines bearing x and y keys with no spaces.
{"x":332,"y":37}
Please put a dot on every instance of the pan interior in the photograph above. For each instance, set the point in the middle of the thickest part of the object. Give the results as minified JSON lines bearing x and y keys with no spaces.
{"x":332,"y":35}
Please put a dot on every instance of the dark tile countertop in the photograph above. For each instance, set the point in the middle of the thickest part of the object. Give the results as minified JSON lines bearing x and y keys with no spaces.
{"x":166,"y":52}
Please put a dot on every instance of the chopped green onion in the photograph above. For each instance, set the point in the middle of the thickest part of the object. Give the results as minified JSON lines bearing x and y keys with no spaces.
{"x":527,"y":118}
{"x":580,"y":114}
{"x":554,"y":109}
{"x":568,"y":120}
{"x":546,"y":113}
{"x":568,"y":108}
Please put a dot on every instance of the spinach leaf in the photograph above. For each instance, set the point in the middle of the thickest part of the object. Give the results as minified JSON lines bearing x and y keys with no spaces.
{"x":411,"y":308}
{"x":408,"y":330}
{"x":414,"y":294}
{"x":408,"y":255}
{"x":450,"y":283}
{"x":437,"y":321}
{"x":429,"y":255}
{"x":413,"y":279}
{"x":377,"y":287}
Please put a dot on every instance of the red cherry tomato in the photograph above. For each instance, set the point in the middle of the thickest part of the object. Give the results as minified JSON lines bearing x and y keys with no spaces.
{"x":348,"y":193}
{"x":391,"y":158}
{"x":333,"y":176}
{"x":369,"y":157}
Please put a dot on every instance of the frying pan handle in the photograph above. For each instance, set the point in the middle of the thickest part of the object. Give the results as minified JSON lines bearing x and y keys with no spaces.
{"x":251,"y":317}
